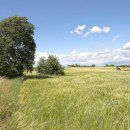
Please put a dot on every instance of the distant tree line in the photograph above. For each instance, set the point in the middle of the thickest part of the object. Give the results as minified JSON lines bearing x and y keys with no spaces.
{"x":93,"y":65}
{"x":112,"y":65}
{"x":109,"y":65}
{"x":77,"y":65}
{"x":123,"y":66}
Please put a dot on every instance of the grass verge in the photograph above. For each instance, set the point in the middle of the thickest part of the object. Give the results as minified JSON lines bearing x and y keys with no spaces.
{"x":9,"y":91}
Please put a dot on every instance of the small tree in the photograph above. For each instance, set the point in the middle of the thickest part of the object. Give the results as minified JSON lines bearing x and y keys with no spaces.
{"x":50,"y":66}
{"x":93,"y":65}
{"x":41,"y":67}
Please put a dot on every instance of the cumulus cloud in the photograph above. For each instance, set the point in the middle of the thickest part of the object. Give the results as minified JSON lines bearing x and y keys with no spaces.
{"x":102,"y":57}
{"x":74,"y":52}
{"x":79,"y":29}
{"x":116,"y":37}
{"x":46,"y":54}
{"x":126,"y":46}
{"x":86,"y":34}
{"x":106,"y":29}
{"x":40,"y":54}
{"x":96,"y":29}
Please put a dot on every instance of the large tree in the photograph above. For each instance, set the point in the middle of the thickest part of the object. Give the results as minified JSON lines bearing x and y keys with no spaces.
{"x":17,"y":46}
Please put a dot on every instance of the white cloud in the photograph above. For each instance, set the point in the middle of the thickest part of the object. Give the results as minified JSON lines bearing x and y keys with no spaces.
{"x":73,"y":52}
{"x":40,"y":54}
{"x":86,"y":34}
{"x":79,"y":29}
{"x":106,"y":29}
{"x":116,"y":37}
{"x":115,"y":56}
{"x":126,"y":46}
{"x":96,"y":29}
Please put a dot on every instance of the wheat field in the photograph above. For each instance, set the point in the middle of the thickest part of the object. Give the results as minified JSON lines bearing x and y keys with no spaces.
{"x":83,"y":99}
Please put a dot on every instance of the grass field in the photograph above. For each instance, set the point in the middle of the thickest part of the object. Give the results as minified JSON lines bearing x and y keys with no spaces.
{"x":83,"y":99}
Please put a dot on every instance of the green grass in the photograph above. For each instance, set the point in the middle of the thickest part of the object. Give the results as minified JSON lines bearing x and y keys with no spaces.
{"x":84,"y":99}
{"x":9,"y":92}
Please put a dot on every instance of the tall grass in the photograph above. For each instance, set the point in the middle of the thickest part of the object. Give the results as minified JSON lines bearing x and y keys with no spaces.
{"x":84,"y":99}
{"x":9,"y":91}
{"x":4,"y":100}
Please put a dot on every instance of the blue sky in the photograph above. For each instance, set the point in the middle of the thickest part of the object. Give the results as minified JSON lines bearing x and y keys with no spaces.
{"x":61,"y":25}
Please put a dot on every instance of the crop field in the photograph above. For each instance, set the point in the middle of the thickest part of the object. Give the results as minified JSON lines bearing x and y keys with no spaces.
{"x":83,"y":99}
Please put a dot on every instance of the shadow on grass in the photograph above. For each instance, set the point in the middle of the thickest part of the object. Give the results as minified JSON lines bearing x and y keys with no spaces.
{"x":36,"y":77}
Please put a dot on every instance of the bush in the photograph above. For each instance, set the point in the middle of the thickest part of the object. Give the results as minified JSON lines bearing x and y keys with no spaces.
{"x":50,"y":66}
{"x":41,"y":68}
{"x":93,"y":65}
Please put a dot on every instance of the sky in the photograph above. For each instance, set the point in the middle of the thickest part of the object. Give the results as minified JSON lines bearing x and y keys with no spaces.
{"x":77,"y":31}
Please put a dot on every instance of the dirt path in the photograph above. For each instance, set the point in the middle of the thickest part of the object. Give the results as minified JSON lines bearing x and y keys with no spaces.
{"x":2,"y":126}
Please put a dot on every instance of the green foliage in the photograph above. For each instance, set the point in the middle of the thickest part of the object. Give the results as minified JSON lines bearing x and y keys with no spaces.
{"x":50,"y":66}
{"x":17,"y":46}
{"x":93,"y":65}
{"x":41,"y":68}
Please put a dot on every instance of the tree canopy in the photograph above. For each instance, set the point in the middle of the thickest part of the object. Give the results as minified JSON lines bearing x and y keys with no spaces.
{"x":17,"y":46}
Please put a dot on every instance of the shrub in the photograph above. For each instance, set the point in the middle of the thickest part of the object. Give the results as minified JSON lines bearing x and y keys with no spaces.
{"x":50,"y":66}
{"x":41,"y":67}
{"x":93,"y":65}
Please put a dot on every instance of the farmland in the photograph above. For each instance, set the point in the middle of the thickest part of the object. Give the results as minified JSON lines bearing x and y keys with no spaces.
{"x":83,"y":99}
